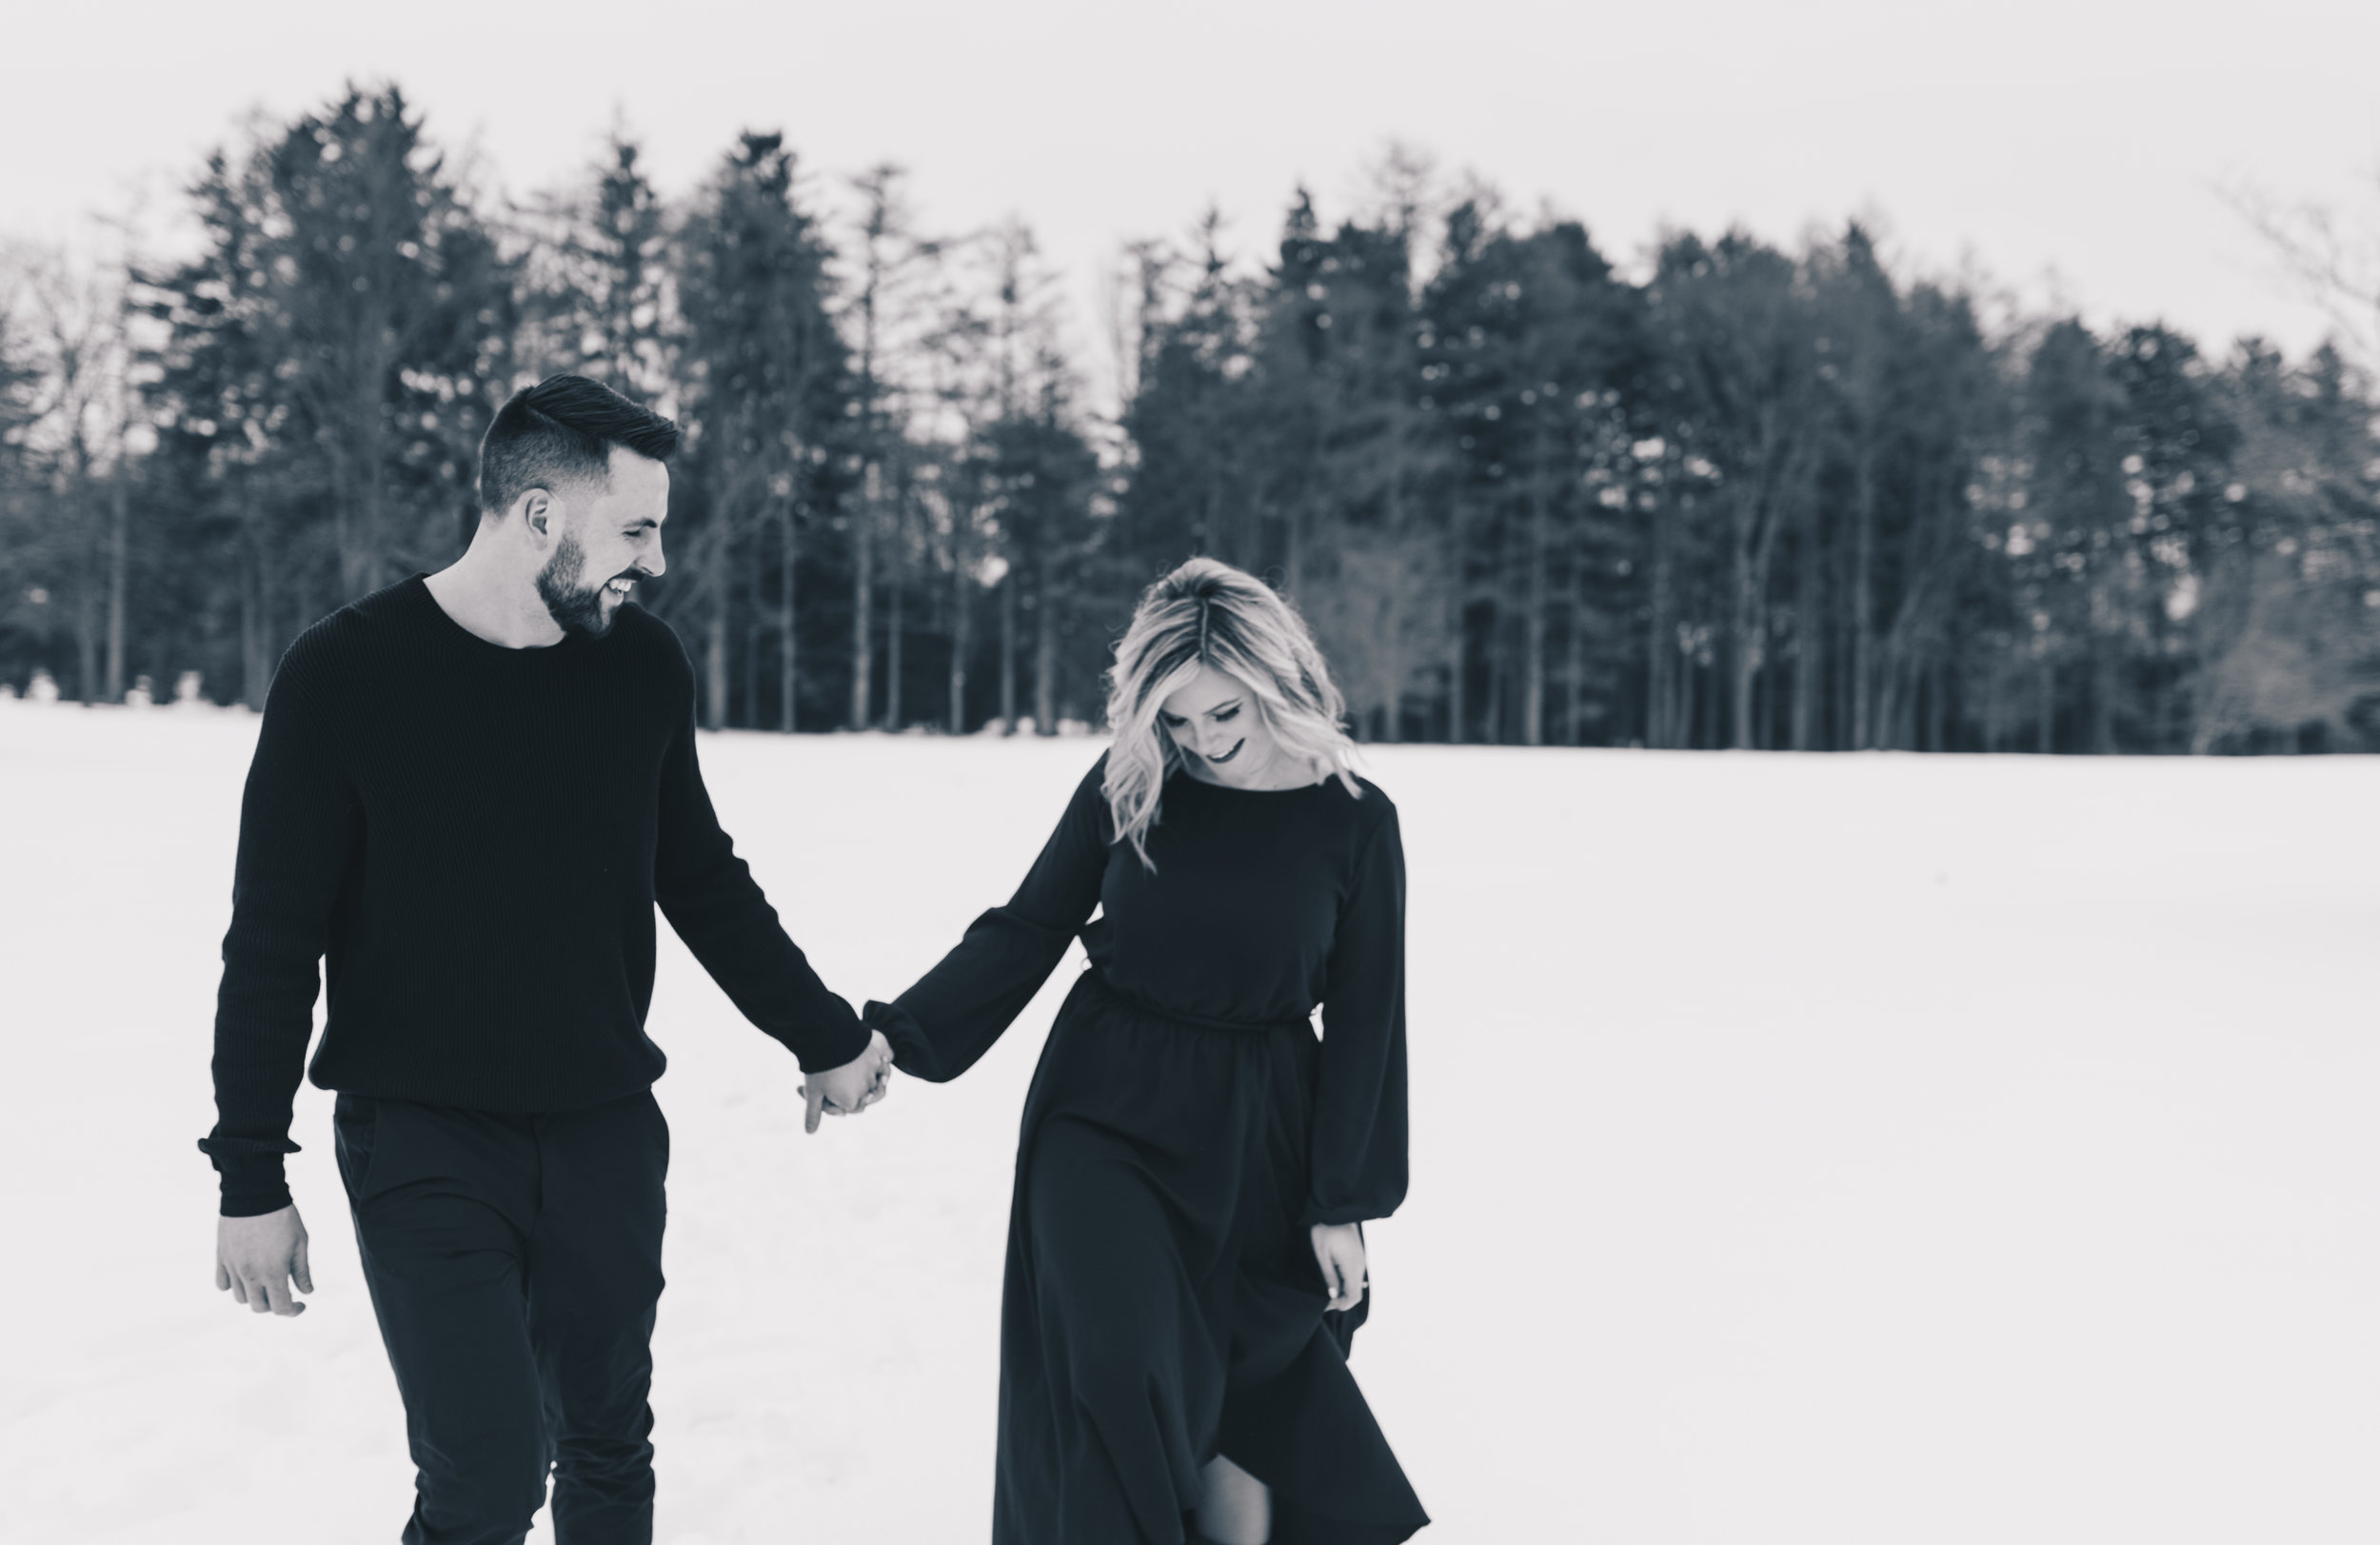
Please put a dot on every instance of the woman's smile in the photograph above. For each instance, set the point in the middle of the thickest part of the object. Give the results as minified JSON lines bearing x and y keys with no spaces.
{"x":1228,"y":755}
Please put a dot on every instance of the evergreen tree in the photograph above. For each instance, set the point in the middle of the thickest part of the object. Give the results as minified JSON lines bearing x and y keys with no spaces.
{"x":222,"y":409}
{"x":1740,"y":349}
{"x":393,"y":313}
{"x":2283,"y":613}
{"x":1767,"y":498}
{"x":1044,"y":476}
{"x":596,"y":294}
{"x":894,"y":276}
{"x":766,"y":394}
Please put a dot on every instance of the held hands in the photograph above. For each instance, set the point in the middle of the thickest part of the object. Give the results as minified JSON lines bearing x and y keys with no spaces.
{"x":851,"y":1089}
{"x":1338,"y":1248}
{"x":256,"y":1257}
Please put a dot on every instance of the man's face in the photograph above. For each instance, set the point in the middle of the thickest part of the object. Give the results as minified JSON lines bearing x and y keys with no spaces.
{"x":606,"y":537}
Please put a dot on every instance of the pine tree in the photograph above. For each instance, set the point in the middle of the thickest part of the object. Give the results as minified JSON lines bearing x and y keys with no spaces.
{"x":394,"y":313}
{"x":767,"y":397}
{"x":596,"y":290}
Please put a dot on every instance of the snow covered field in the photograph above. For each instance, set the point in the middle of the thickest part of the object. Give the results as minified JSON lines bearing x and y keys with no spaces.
{"x":1862,"y":1150}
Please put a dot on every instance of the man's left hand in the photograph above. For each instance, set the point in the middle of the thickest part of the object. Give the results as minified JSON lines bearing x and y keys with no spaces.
{"x":851,"y":1089}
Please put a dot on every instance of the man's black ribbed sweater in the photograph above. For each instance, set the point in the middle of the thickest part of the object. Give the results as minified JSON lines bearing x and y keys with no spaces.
{"x":473,"y":837}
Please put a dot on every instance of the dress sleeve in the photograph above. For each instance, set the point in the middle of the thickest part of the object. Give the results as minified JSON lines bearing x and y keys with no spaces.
{"x":941,"y":1027}
{"x":299,"y":820}
{"x":707,"y":893}
{"x":1356,"y":1163}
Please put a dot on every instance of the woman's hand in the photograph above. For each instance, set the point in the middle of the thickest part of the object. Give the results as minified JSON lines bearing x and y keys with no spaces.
{"x":1339,"y":1249}
{"x":851,"y":1089}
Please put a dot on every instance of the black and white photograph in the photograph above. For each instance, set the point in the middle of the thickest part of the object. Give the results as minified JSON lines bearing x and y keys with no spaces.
{"x":1238,"y":773}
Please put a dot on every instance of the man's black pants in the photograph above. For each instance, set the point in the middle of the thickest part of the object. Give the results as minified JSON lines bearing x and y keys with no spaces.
{"x":514,"y":1263}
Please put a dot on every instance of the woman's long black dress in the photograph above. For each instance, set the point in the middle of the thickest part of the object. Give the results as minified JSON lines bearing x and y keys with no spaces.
{"x":1184,"y":1129}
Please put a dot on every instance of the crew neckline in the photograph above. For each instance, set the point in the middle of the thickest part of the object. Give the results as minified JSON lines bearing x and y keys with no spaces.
{"x":1188,"y":776}
{"x":419,"y":583}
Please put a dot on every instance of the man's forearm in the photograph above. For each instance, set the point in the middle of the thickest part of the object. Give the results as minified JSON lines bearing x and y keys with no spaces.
{"x":298,"y":823}
{"x":260,"y":1058}
{"x":768,"y":979}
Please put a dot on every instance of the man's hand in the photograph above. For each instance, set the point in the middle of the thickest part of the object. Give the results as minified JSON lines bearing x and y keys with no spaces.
{"x":256,"y":1257}
{"x":1338,"y":1248}
{"x":851,"y":1089}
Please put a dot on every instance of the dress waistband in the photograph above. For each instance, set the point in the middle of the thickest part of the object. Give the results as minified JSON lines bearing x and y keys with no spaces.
{"x":1100,"y":983}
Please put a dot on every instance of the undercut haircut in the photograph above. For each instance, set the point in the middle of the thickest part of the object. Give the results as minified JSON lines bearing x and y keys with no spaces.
{"x":561,"y":431}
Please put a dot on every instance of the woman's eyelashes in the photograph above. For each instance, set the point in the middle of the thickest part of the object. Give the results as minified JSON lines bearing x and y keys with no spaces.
{"x":1228,"y":714}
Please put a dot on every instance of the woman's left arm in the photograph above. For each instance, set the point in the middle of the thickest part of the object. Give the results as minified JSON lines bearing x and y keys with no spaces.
{"x":1355,"y":1165}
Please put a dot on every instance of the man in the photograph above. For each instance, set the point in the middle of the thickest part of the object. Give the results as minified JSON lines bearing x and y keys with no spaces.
{"x":468,"y":792}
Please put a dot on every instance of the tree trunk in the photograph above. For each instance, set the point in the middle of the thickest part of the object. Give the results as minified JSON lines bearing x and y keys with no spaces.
{"x":1809,"y":653}
{"x":1692,"y":715}
{"x":360,"y":528}
{"x":1456,"y":715}
{"x":1008,"y":650}
{"x":1392,"y":626}
{"x":715,"y":645}
{"x":1294,"y":557}
{"x":118,"y":540}
{"x":1533,"y":665}
{"x":714,"y":669}
{"x":255,"y":664}
{"x":2102,"y":699}
{"x":1491,"y":730}
{"x":788,"y":656}
{"x":961,"y":637}
{"x":894,"y":630}
{"x":1575,"y":665}
{"x":755,"y":635}
{"x":343,"y":497}
{"x":367,"y":535}
{"x":1662,"y":723}
{"x":1744,"y":639}
{"x":1045,"y":647}
{"x":87,"y":622}
{"x":1862,"y":604}
{"x":1938,"y":709}
{"x":863,"y":601}
{"x":1889,"y":674}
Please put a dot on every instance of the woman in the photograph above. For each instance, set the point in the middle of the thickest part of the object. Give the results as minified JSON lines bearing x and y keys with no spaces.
{"x":1186,"y":1257}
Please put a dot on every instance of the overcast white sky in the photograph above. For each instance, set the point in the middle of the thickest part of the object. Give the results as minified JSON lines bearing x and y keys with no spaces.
{"x":2066,"y":147}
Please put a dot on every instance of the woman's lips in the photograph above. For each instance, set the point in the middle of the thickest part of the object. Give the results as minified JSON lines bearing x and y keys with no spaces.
{"x":1233,"y":752}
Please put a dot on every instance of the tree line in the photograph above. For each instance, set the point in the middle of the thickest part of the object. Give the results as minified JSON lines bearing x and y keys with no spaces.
{"x":1750,"y":496}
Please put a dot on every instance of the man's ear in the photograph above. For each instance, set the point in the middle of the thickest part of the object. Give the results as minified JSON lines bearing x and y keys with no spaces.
{"x":536,"y":511}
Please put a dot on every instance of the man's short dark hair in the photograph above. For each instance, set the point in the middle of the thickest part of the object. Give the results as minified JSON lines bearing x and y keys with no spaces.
{"x":562,"y":430}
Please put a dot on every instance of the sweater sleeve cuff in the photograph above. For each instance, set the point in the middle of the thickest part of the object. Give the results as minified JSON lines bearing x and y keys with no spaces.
{"x":913,"y":1050}
{"x":253,"y":1180}
{"x":829,"y":1045}
{"x":1353,"y":1212}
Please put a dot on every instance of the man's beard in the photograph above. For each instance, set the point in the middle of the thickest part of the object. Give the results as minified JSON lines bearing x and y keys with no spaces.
{"x":577,"y":609}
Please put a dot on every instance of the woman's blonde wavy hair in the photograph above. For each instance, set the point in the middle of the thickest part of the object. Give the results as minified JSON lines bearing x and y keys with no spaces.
{"x":1208,"y":613}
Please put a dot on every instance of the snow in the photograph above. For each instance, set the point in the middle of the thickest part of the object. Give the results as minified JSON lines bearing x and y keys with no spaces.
{"x":1854,"y":1149}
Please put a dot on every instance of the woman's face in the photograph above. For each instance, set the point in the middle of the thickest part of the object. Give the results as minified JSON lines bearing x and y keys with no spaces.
{"x":1213,"y":720}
